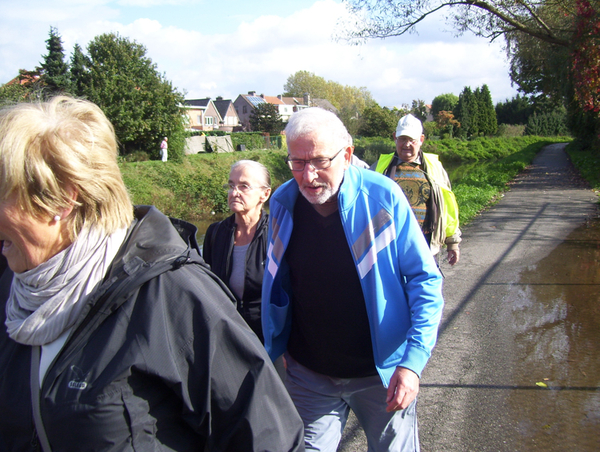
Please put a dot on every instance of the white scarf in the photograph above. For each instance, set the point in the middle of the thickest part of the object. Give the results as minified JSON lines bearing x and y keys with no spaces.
{"x":47,"y":300}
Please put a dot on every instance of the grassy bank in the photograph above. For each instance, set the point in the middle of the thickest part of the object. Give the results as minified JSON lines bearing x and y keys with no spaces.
{"x":587,"y":162}
{"x":193,"y":189}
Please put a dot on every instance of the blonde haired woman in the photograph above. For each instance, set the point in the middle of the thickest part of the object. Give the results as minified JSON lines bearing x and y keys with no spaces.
{"x":115,"y":337}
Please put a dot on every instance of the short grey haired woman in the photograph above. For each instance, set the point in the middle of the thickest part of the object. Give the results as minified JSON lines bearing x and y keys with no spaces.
{"x":115,"y":336}
{"x":236,"y":248}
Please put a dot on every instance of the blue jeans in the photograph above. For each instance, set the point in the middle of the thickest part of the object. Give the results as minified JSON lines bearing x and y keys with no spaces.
{"x":324,"y":404}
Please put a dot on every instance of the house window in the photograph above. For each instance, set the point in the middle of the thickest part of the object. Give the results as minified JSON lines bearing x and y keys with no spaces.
{"x":208,"y":120}
{"x":198,"y":119}
{"x":244,"y":109}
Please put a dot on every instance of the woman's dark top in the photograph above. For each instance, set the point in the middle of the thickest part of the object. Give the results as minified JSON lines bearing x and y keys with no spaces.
{"x":3,"y":263}
{"x":218,"y":252}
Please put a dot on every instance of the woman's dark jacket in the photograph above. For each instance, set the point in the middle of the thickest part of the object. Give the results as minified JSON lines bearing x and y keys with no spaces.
{"x":159,"y":361}
{"x":218,"y":252}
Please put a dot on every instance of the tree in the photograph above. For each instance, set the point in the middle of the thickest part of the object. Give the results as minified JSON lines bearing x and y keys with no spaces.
{"x":514,"y":111}
{"x":266,"y":118}
{"x":475,"y":112}
{"x":23,"y":88}
{"x":350,"y":101}
{"x":443,"y":102}
{"x":419,"y":109}
{"x":54,"y":70}
{"x":488,"y":123}
{"x":142,"y":105}
{"x":446,"y":123}
{"x":487,"y":18}
{"x":553,"y":45}
{"x":547,"y":124}
{"x":465,"y":113}
{"x":79,"y":72}
{"x":304,"y":82}
{"x":586,"y":57}
{"x":377,"y":122}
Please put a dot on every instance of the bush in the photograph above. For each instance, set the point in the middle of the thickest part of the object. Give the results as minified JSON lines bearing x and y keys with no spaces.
{"x":511,"y":130}
{"x":136,"y":156}
{"x":431,"y":129}
{"x":587,"y":161}
{"x":547,"y":124}
{"x":252,"y":140}
{"x":369,"y":149}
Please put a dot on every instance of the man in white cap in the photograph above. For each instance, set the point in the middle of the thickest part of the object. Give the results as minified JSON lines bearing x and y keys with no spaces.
{"x":426,"y":185}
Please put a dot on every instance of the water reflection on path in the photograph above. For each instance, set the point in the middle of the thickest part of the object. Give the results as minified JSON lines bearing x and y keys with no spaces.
{"x":554,"y":310}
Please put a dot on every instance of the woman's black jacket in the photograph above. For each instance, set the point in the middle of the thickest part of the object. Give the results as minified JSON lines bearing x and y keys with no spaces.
{"x":159,"y":361}
{"x":218,"y":251}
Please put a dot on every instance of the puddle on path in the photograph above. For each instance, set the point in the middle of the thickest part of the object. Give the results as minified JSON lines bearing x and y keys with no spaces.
{"x":555,"y":313}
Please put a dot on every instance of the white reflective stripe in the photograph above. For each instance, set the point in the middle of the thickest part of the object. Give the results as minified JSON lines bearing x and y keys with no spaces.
{"x":381,"y":242}
{"x":271,"y":264}
{"x":363,"y":242}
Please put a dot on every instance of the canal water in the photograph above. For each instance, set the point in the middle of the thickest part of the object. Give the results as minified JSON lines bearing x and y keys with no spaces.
{"x":203,"y":225}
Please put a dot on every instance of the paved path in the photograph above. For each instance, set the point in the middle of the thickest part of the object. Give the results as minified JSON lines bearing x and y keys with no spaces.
{"x":479,"y":389}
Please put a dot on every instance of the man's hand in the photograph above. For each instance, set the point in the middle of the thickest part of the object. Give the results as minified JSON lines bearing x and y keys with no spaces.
{"x":453,"y":256}
{"x":403,"y":388}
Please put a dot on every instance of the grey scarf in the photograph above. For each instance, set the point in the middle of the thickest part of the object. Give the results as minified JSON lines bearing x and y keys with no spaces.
{"x":47,"y":300}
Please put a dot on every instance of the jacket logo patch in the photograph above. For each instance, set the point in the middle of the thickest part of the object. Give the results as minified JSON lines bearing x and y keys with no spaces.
{"x":78,"y":382}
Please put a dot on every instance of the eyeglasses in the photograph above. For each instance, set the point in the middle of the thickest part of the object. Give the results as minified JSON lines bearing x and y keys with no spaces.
{"x":406,"y":140}
{"x":318,"y":164}
{"x":242,"y":188}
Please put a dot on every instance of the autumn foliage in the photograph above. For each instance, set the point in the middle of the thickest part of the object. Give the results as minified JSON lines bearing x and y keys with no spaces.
{"x":586,"y":56}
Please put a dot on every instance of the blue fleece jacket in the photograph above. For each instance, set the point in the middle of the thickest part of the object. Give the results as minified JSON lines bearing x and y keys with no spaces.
{"x":401,"y":283}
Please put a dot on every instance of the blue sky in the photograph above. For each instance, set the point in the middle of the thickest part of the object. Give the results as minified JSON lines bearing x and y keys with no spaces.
{"x":210,"y":49}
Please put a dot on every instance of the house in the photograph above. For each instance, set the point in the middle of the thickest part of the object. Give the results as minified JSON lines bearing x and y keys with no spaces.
{"x":24,"y":78}
{"x":297,"y":104}
{"x":230,"y":120}
{"x":202,"y":113}
{"x":244,"y":105}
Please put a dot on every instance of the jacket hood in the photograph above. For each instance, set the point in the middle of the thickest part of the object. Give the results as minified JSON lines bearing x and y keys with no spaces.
{"x":153,"y":237}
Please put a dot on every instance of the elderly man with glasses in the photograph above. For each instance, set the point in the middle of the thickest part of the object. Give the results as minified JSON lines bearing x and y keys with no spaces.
{"x":351,"y":294}
{"x":426,"y":184}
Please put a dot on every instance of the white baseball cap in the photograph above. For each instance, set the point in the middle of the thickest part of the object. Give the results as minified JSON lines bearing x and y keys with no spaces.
{"x":409,"y":126}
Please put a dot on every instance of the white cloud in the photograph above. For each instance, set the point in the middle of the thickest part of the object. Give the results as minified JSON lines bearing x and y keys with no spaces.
{"x":261,"y":53}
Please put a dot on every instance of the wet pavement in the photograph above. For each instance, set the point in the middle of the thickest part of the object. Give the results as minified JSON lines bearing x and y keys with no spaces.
{"x":552,"y":314}
{"x":517,"y":365}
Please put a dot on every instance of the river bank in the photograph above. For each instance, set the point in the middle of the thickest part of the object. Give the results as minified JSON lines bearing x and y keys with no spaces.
{"x":193,"y":190}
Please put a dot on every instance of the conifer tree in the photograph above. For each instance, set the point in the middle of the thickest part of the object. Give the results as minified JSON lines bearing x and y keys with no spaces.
{"x":55,"y":72}
{"x":489,"y":122}
{"x":466,"y":112}
{"x":79,"y":72}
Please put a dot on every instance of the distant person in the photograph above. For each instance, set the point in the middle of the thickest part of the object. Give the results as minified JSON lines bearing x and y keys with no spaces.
{"x":164,"y":149}
{"x":427,"y":186}
{"x":351,"y":294}
{"x":115,"y":336}
{"x":236,"y":248}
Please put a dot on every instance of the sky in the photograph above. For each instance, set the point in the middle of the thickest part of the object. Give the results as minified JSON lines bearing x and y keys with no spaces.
{"x":213,"y":48}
